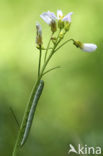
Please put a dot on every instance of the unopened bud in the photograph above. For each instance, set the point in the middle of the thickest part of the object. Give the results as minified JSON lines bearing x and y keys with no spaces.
{"x":62,"y":33}
{"x":60,"y":24}
{"x":87,"y":47}
{"x":53,"y":26}
{"x":66,"y":26}
{"x":39,"y":34}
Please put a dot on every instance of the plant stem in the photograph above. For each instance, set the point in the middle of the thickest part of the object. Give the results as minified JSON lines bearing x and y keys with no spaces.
{"x":64,"y":44}
{"x":51,"y":54}
{"x":39,"y":66}
{"x":27,"y":110}
{"x":26,"y":113}
{"x":50,"y":70}
{"x":48,"y":59}
{"x":14,"y":116}
{"x":47,"y":48}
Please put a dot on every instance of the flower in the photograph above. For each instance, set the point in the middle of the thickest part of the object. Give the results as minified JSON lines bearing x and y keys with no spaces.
{"x":64,"y":18}
{"x":59,"y":14}
{"x":64,"y":21}
{"x":87,"y":47}
{"x":50,"y":19}
{"x":39,"y":34}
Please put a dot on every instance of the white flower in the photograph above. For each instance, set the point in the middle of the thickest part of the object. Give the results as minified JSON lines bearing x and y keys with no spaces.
{"x":39,"y":34}
{"x":59,"y":14}
{"x":48,"y":17}
{"x":64,"y":18}
{"x":88,"y":47}
{"x":68,"y":17}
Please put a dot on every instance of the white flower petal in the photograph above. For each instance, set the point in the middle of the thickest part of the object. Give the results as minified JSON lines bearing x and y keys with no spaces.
{"x":59,"y":14}
{"x":48,"y":17}
{"x":89,"y":47}
{"x":45,"y":16}
{"x":52,"y":15}
{"x":68,"y":17}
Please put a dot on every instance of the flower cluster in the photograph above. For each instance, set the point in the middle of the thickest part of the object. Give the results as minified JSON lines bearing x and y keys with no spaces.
{"x":62,"y":23}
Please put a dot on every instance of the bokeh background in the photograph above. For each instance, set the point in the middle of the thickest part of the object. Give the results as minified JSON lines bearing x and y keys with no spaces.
{"x":71,"y":107}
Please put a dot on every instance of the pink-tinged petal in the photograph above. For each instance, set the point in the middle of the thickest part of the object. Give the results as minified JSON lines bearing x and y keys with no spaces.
{"x":68,"y":17}
{"x":59,"y":14}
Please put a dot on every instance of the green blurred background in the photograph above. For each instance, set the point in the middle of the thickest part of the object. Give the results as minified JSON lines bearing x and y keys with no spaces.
{"x":71,"y":107}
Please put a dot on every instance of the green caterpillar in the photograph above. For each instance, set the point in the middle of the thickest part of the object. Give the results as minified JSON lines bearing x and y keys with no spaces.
{"x":32,"y":111}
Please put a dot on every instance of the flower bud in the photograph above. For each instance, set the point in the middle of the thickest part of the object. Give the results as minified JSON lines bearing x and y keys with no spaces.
{"x":60,"y":24}
{"x":62,"y":33}
{"x":67,"y":26}
{"x":39,"y":34}
{"x":53,"y":26}
{"x":87,"y":47}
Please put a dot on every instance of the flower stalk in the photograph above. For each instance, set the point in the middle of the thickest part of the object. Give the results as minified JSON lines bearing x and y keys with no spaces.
{"x":48,"y":47}
{"x":24,"y":121}
{"x":39,"y":65}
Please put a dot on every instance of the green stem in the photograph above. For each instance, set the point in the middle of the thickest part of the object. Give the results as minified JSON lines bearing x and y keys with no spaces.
{"x":47,"y":48}
{"x":14,"y":116}
{"x":39,"y":66}
{"x":24,"y":121}
{"x":48,"y":59}
{"x":51,"y":54}
{"x":27,"y":110}
{"x":64,"y":44}
{"x":50,"y":70}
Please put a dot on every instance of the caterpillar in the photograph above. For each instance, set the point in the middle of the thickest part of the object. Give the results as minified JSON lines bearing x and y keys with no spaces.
{"x":32,"y":111}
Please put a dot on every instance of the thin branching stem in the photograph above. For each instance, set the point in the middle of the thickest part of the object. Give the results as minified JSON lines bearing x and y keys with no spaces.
{"x":39,"y":65}
{"x":51,"y":53}
{"x":48,"y":47}
{"x":64,"y":44}
{"x":27,"y":110}
{"x":49,"y":57}
{"x":49,"y":70}
{"x":12,"y":111}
